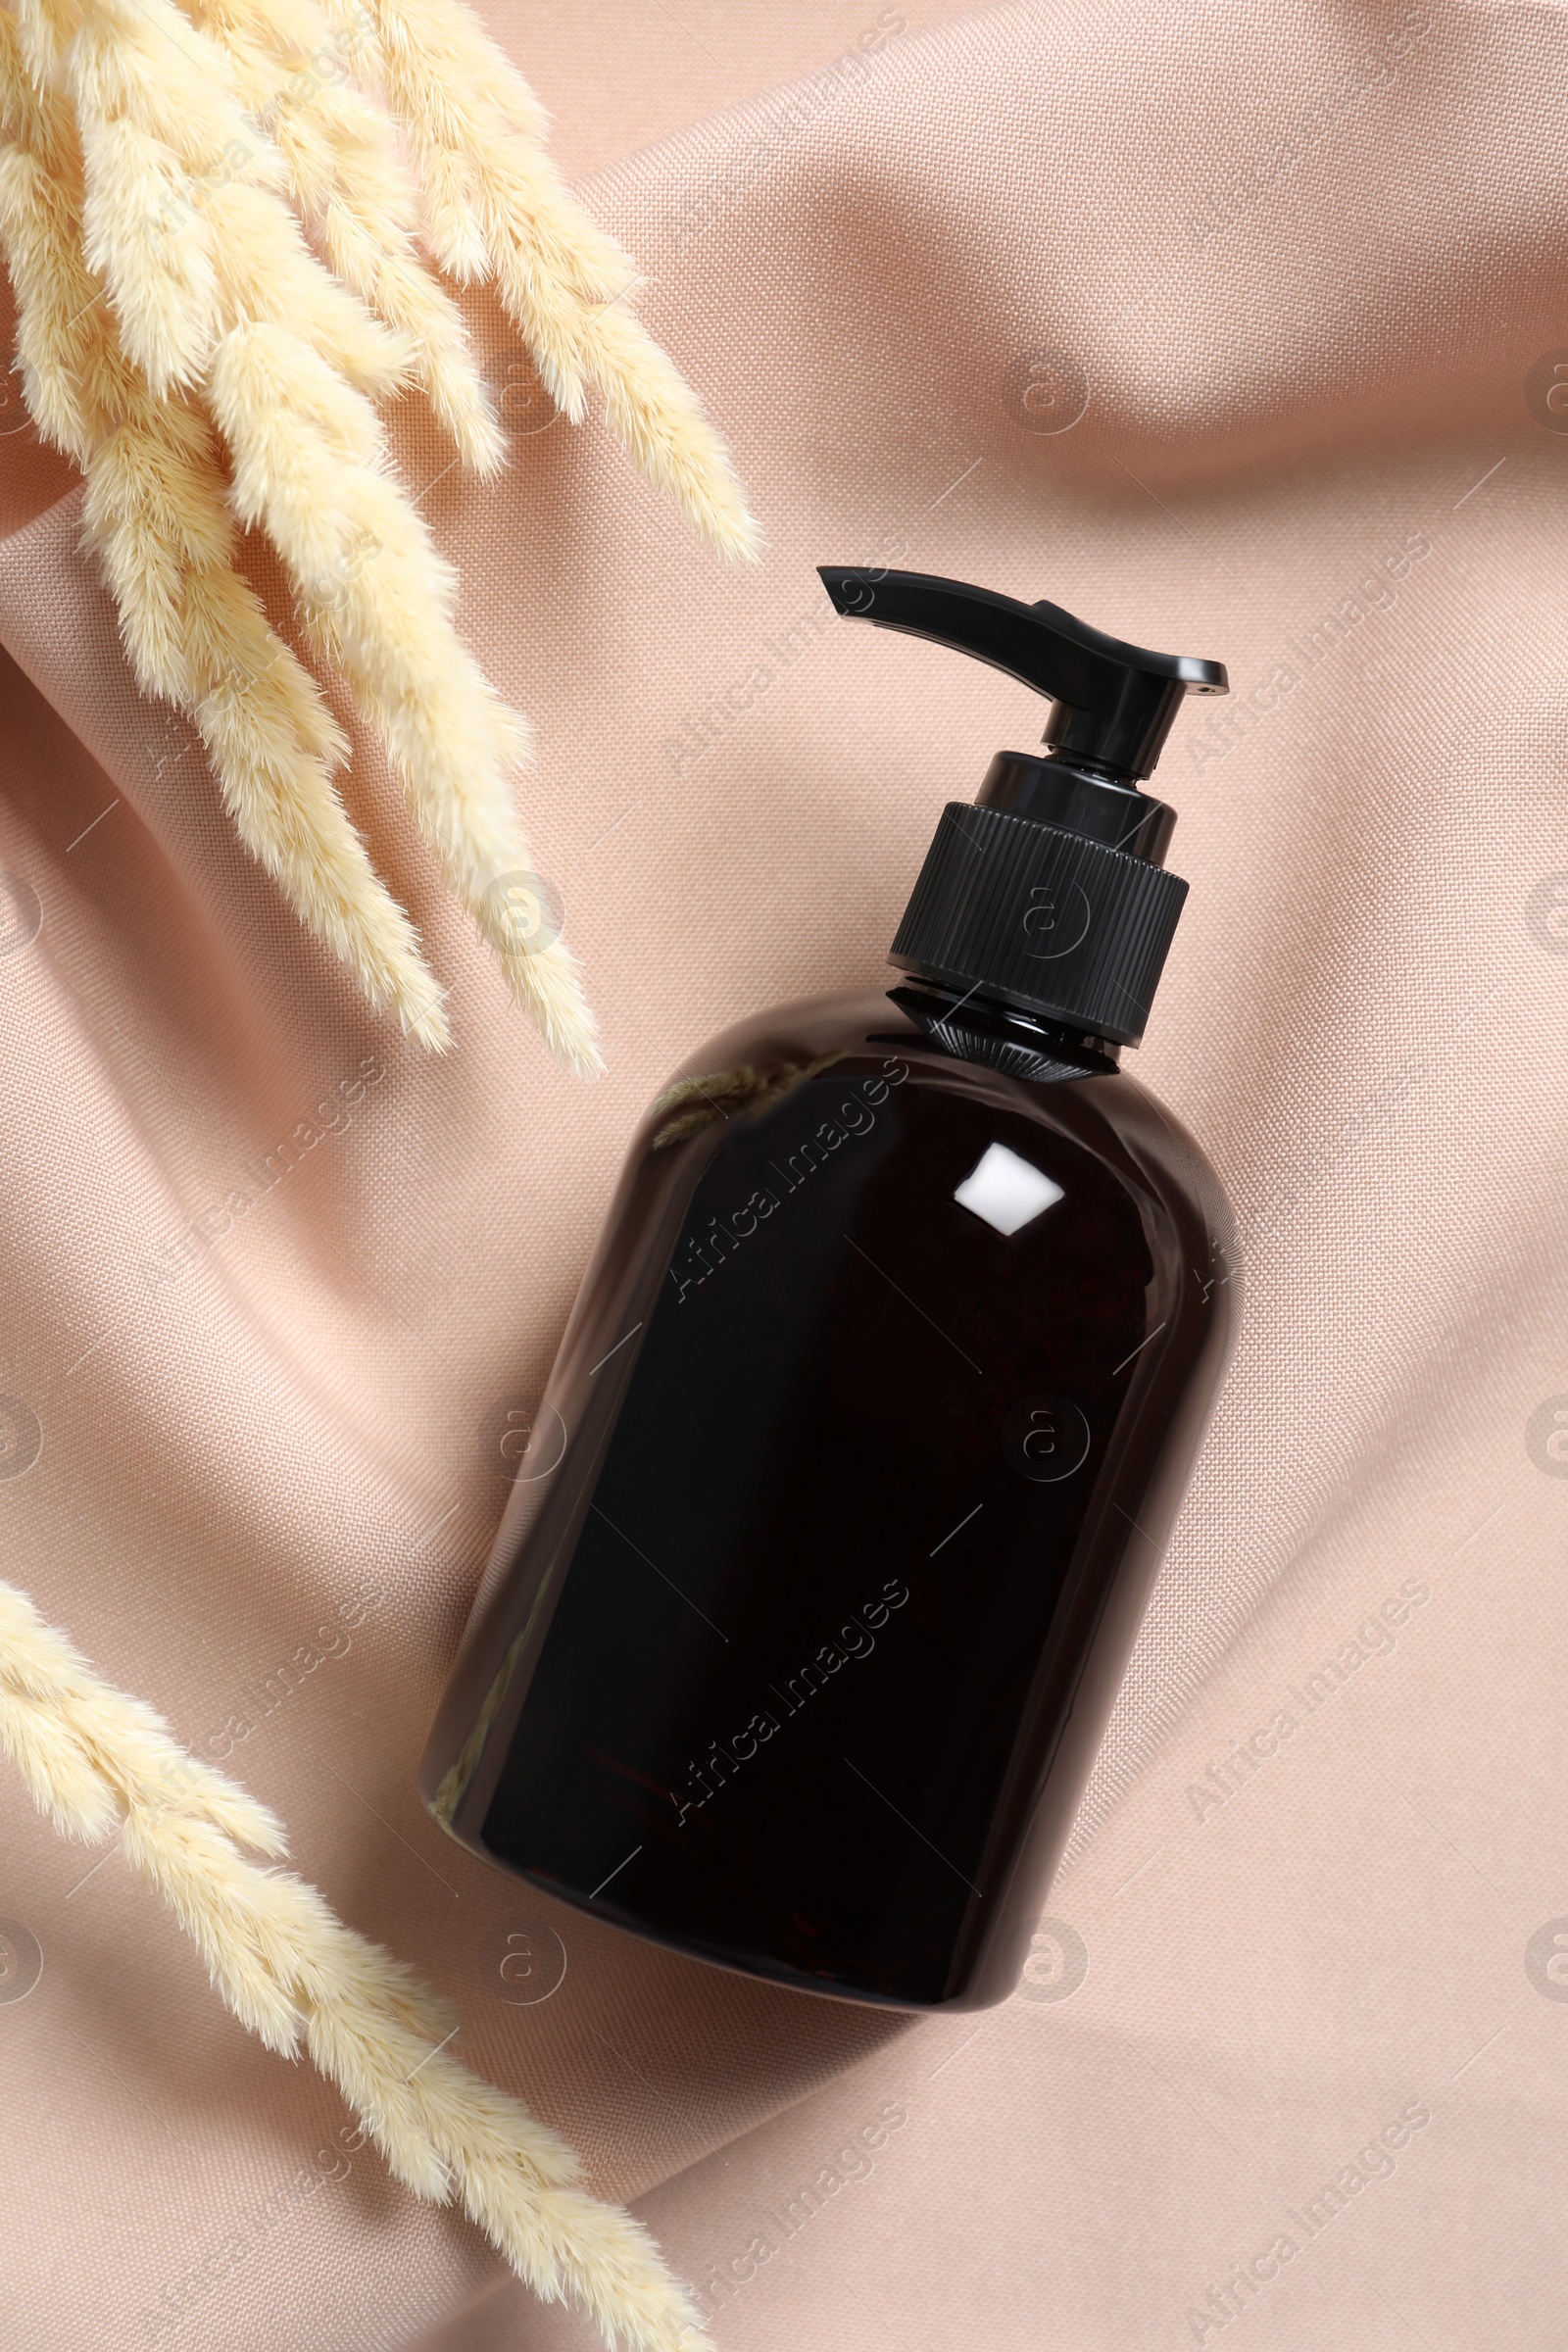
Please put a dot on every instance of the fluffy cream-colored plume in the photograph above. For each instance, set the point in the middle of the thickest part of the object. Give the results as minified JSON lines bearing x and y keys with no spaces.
{"x":156,"y":510}
{"x":497,"y":211}
{"x":215,"y":246}
{"x":290,"y":1970}
{"x":340,"y":154}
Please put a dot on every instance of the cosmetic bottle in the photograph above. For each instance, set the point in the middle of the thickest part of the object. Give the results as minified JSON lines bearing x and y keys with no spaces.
{"x":833,"y":1530}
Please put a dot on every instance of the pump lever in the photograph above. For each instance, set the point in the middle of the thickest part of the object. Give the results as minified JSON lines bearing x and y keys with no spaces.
{"x":1114,"y":702}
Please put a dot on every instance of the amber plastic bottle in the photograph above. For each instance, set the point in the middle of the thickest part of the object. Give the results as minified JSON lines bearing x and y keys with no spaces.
{"x":876,"y":1409}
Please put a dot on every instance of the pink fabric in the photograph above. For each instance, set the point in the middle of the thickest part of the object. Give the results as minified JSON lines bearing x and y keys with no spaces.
{"x":1294,"y":273}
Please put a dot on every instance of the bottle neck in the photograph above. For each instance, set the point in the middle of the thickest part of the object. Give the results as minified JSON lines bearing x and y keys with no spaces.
{"x":992,"y":1022}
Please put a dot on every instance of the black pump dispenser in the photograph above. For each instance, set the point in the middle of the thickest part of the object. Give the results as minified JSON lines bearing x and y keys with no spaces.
{"x":1048,"y":894}
{"x":837,"y":1519}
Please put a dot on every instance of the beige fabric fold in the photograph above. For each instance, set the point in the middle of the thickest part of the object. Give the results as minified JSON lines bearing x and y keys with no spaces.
{"x":1237,"y":336}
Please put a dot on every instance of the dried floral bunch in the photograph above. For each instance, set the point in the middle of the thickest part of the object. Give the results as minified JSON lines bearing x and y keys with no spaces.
{"x":223,"y":222}
{"x":290,"y":1970}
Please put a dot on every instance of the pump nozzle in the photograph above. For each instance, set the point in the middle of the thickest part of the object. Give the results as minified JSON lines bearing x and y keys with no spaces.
{"x":1115,"y":703}
{"x":1048,"y":894}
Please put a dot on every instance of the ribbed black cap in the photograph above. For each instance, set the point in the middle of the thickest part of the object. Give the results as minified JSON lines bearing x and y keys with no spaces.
{"x":1067,"y":928}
